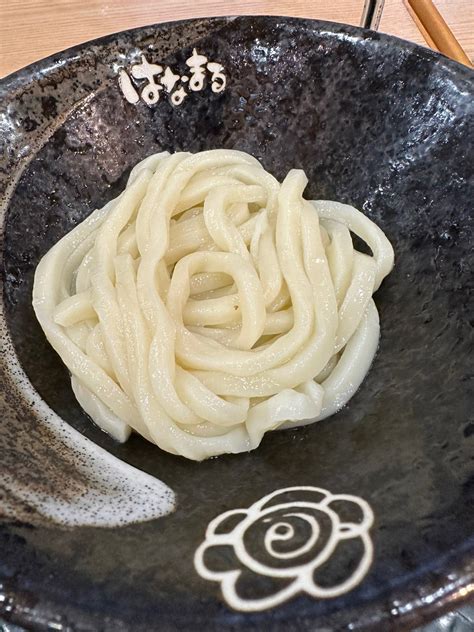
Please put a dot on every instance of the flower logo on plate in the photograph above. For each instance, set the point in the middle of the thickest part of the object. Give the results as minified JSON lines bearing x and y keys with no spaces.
{"x":295,"y":540}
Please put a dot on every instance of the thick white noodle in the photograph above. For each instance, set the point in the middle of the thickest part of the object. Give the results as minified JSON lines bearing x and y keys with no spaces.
{"x":209,"y":304}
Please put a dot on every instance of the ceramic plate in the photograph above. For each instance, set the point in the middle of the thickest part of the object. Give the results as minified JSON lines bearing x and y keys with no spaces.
{"x":361,"y":521}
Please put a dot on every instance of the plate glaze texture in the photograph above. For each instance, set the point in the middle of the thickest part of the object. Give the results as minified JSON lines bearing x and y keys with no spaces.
{"x":375,"y":122}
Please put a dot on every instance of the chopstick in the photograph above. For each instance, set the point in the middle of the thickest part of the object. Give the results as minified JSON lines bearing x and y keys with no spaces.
{"x":434,"y":29}
{"x":420,"y":26}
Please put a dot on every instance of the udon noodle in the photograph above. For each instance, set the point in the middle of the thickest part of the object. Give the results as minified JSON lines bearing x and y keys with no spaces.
{"x":208,"y":304}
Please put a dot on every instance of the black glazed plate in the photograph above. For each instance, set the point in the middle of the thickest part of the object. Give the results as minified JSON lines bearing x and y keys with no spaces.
{"x":375,"y":122}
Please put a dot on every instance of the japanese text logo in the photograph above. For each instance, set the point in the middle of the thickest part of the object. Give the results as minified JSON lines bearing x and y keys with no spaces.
{"x":153,"y":81}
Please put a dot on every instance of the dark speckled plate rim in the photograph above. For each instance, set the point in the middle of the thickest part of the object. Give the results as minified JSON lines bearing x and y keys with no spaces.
{"x":24,"y":74}
{"x":442,"y":589}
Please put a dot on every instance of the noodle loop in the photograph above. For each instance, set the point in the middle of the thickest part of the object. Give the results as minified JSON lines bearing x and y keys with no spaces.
{"x":209,"y":304}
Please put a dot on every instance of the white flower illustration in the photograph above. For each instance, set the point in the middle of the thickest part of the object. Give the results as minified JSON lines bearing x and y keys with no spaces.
{"x":287,"y":540}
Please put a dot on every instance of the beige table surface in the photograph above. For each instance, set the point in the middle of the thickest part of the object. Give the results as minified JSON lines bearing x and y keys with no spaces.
{"x":32,"y":29}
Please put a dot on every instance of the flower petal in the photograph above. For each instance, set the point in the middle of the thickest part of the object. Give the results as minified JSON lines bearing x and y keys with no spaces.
{"x":249,"y":592}
{"x":251,"y":585}
{"x":220,"y":558}
{"x":225,"y":524}
{"x":303,"y":493}
{"x":354,"y":513}
{"x":345,"y":568}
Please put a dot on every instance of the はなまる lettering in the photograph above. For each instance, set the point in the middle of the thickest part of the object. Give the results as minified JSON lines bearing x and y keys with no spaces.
{"x":149,"y":81}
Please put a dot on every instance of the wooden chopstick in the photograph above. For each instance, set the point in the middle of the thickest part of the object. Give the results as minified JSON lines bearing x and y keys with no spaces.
{"x":420,"y":26}
{"x":436,"y":32}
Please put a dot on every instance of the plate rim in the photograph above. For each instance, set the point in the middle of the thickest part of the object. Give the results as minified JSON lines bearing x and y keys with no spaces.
{"x":36,"y":65}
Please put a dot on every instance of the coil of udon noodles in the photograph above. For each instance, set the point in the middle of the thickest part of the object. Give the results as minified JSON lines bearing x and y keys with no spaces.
{"x":209,"y":304}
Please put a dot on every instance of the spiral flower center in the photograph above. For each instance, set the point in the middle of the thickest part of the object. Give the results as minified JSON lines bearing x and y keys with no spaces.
{"x":284,"y":531}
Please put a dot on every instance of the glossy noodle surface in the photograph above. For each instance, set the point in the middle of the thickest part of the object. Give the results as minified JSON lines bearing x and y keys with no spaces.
{"x":210,"y":303}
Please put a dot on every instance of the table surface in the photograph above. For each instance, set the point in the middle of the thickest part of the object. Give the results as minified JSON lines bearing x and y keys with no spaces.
{"x":33,"y":29}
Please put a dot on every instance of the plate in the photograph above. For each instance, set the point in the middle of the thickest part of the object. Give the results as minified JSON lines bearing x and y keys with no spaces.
{"x":375,"y":122}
